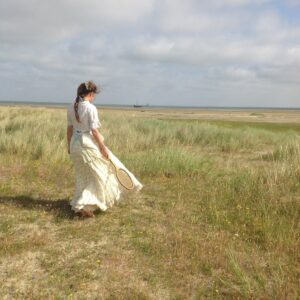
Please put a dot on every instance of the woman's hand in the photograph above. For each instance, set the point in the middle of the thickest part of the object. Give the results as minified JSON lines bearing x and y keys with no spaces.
{"x":69,"y":136}
{"x":99,"y":139}
{"x":104,"y":151}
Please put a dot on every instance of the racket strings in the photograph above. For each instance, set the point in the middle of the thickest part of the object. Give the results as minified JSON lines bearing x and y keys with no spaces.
{"x":125,"y":179}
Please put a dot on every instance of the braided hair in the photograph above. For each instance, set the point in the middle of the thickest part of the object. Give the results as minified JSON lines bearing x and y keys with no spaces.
{"x":84,"y":89}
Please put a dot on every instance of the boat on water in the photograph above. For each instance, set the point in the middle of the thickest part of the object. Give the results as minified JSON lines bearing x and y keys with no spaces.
{"x":139,"y":105}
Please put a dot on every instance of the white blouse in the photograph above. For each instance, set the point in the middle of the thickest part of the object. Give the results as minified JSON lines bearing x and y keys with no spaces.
{"x":88,"y":116}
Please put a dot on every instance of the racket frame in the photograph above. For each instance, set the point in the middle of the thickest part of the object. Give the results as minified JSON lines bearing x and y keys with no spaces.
{"x":117,"y":169}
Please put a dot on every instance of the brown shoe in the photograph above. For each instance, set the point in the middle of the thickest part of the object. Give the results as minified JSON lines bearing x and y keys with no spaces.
{"x":87,"y":213}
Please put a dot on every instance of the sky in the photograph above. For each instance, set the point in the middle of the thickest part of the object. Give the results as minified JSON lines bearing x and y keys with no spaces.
{"x":243,"y":53}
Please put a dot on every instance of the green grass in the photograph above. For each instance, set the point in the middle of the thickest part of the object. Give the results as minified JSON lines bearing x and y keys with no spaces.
{"x":218,"y":217}
{"x":270,"y":126}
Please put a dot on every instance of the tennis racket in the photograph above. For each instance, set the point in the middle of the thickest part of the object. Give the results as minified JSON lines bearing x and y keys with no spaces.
{"x":123,"y":177}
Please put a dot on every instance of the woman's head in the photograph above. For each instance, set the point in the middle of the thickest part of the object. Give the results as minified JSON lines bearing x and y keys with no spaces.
{"x":87,"y":90}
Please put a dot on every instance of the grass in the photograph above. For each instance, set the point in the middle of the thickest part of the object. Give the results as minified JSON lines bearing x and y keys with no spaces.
{"x":218,"y":217}
{"x":270,"y":126}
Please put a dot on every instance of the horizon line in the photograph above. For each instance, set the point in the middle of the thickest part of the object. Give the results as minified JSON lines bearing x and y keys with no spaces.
{"x":149,"y":105}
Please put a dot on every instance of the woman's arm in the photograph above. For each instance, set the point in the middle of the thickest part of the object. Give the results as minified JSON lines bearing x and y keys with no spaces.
{"x":100,"y":140}
{"x":69,"y":135}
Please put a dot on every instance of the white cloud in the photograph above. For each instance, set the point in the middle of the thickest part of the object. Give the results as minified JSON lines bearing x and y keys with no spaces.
{"x":210,"y":51}
{"x":192,"y":17}
{"x":144,"y":49}
{"x":55,"y":20}
{"x":238,"y":3}
{"x":293,"y":2}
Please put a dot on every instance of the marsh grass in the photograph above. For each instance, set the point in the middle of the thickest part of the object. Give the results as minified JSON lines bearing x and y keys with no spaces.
{"x":218,"y":217}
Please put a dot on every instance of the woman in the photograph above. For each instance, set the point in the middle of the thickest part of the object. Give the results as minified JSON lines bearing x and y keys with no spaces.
{"x":97,"y":186}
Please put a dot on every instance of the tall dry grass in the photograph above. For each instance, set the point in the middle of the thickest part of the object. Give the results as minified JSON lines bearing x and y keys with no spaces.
{"x":220,"y":213}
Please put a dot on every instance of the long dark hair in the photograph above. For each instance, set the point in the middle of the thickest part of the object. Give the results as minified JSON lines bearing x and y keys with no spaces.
{"x":83,"y":89}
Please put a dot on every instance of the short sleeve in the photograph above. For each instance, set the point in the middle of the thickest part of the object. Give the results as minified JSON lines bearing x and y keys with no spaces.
{"x":93,"y":118}
{"x":69,"y":119}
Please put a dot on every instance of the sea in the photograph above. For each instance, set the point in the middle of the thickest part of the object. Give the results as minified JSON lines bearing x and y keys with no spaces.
{"x":130,"y":106}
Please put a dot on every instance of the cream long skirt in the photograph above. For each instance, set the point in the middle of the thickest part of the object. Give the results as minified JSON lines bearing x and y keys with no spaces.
{"x":97,"y":186}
